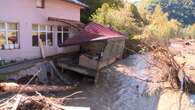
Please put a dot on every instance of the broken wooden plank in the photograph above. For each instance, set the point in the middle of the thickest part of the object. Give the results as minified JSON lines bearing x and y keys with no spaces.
{"x":58,"y":73}
{"x":41,"y":48}
{"x":78,"y":69}
{"x":14,"y":88}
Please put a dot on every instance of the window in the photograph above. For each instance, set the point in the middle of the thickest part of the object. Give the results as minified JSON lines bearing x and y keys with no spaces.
{"x":44,"y":33}
{"x":50,"y":35}
{"x":40,"y":3}
{"x":9,"y":35}
{"x":62,"y":34}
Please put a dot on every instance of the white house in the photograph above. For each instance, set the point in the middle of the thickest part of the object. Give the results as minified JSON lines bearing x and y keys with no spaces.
{"x":24,"y":24}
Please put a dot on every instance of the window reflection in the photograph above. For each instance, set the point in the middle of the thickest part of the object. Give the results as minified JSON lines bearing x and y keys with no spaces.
{"x":63,"y":34}
{"x":59,"y":28}
{"x":43,"y":38}
{"x":9,"y":36}
{"x":50,"y":39}
{"x":35,"y":27}
{"x":2,"y":26}
{"x":35,"y":40}
{"x":44,"y":32}
{"x":49,"y":28}
{"x":2,"y":40}
{"x":65,"y":29}
{"x":12,"y":38}
{"x":42,"y":28}
{"x":60,"y":39}
{"x":12,"y":26}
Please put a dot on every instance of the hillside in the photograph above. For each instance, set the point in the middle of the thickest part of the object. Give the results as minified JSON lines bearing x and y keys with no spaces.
{"x":182,"y":10}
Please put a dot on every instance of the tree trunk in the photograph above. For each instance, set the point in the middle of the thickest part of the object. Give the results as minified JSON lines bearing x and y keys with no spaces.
{"x":14,"y":88}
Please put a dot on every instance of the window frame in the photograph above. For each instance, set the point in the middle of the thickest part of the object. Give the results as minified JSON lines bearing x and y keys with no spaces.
{"x":62,"y":33}
{"x":6,"y":30}
{"x":46,"y":31}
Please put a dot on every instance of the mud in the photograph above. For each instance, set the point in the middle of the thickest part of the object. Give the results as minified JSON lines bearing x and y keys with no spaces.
{"x":117,"y":89}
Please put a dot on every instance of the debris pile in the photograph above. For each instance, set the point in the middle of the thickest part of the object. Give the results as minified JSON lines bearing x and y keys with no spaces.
{"x":163,"y":59}
{"x":36,"y":102}
{"x":184,"y":54}
{"x":22,"y":96}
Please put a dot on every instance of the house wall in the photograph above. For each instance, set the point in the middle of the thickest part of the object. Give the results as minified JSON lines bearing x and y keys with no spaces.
{"x":113,"y":50}
{"x":25,"y":13}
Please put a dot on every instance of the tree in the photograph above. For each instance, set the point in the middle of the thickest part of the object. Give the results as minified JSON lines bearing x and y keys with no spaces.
{"x":95,"y":4}
{"x":190,"y":31}
{"x":125,"y":18}
{"x":160,"y":26}
{"x":181,"y":10}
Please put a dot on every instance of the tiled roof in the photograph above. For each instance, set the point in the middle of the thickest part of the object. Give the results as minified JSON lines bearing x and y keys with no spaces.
{"x":77,"y":2}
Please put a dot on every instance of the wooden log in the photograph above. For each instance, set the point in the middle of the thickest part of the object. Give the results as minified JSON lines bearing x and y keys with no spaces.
{"x":14,"y":88}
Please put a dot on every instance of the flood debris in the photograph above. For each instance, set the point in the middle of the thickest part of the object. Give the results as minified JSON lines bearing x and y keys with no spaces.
{"x":57,"y":73}
{"x":24,"y":98}
{"x":47,"y":73}
{"x":164,"y":59}
{"x":36,"y":102}
{"x":184,"y":54}
{"x":14,"y":88}
{"x":157,"y":78}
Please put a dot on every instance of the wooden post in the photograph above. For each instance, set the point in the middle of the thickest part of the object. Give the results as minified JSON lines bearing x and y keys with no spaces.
{"x":41,"y":47}
{"x":97,"y":73}
{"x":58,"y":73}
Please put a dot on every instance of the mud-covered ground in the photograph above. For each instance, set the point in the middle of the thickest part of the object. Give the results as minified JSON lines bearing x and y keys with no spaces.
{"x":117,"y":89}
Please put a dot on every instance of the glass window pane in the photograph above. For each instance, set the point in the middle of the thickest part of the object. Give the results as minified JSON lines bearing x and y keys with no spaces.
{"x":35,"y":40}
{"x":12,"y":26}
{"x":2,"y":40}
{"x":65,"y":36}
{"x":59,"y":28}
{"x":35,"y":27}
{"x":42,"y":28}
{"x":2,"y":26}
{"x":50,"y":28}
{"x":12,"y":38}
{"x":59,"y":38}
{"x":65,"y":29}
{"x":43,"y":38}
{"x":50,"y":39}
